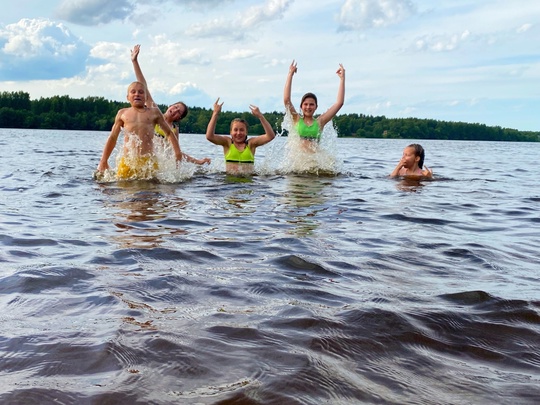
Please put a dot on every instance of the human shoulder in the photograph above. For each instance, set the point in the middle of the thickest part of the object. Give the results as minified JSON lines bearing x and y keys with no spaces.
{"x":223,"y":140}
{"x":123,"y":114}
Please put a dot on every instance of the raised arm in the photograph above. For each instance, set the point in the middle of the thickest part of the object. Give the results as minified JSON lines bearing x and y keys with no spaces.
{"x":170,"y":133}
{"x":139,"y":74}
{"x":287,"y":91}
{"x":111,"y":142}
{"x":211,"y":128}
{"x":333,"y":110}
{"x":269,"y":133}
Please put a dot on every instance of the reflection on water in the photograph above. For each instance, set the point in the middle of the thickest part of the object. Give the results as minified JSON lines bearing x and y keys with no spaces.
{"x":409,"y":184}
{"x":305,"y":198}
{"x":305,"y":191}
{"x":140,"y":210}
{"x":240,"y":202}
{"x":235,"y":178}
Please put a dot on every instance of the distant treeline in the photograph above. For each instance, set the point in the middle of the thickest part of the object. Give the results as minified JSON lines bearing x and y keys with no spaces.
{"x":97,"y":114}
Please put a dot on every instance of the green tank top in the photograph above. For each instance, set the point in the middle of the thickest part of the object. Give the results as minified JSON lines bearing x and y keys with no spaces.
{"x":308,"y":132}
{"x":234,"y":155}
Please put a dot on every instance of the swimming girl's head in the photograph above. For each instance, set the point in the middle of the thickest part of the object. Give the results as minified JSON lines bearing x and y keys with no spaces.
{"x":418,"y":151}
{"x":239,"y":130}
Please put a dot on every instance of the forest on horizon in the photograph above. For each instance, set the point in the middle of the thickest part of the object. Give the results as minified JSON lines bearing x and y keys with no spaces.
{"x":17,"y":110}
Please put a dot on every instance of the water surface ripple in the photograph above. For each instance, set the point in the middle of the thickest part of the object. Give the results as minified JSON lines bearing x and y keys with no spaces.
{"x":350,"y":288}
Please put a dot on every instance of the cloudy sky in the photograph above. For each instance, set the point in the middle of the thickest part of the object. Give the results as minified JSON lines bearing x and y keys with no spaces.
{"x":454,"y":60}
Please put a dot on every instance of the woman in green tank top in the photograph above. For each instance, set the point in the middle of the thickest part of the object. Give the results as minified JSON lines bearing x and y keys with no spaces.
{"x":239,"y":151}
{"x":306,"y":126}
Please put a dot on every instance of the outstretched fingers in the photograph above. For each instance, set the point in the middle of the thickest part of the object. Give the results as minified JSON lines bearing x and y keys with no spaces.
{"x":254,"y":109}
{"x":135,"y":52}
{"x":217,"y":105}
{"x":293,"y":68}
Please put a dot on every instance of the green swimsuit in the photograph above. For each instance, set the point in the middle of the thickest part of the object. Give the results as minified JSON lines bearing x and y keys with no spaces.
{"x":311,"y":132}
{"x":234,"y":155}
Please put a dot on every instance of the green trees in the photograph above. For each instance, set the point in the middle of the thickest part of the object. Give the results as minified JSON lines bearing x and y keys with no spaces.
{"x":58,"y":112}
{"x":363,"y":126}
{"x":97,"y":114}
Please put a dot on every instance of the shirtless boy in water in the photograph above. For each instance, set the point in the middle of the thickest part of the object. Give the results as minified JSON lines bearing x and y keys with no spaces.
{"x":138,"y":122}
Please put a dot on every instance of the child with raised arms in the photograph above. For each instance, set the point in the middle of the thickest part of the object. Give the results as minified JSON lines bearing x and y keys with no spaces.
{"x":239,"y":151}
{"x":175,"y":112}
{"x":138,"y":160}
{"x":306,"y":125}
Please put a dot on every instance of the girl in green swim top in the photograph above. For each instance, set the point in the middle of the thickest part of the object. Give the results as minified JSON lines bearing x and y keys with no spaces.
{"x":307,"y":126}
{"x":239,"y":151}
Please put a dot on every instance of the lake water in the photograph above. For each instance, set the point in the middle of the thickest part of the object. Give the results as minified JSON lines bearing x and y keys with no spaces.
{"x":349,"y":288}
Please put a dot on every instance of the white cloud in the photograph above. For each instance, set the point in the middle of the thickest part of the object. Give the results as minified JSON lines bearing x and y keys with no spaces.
{"x":108,"y":50}
{"x":40,"y":49}
{"x":236,"y":54}
{"x":408,"y":111}
{"x":180,"y":88}
{"x":366,"y":14}
{"x":379,"y":108}
{"x":200,"y":5}
{"x":175,"y":53}
{"x":524,"y":28}
{"x":94,"y":12}
{"x":441,"y":43}
{"x":236,"y":28}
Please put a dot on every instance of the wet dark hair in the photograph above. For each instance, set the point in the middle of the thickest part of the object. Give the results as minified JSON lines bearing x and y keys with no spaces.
{"x":308,"y":95}
{"x":243,"y":121}
{"x":186,"y":109}
{"x":418,"y":151}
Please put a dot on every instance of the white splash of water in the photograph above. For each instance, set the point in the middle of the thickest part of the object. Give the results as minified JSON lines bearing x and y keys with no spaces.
{"x":299,"y":156}
{"x":168,"y":169}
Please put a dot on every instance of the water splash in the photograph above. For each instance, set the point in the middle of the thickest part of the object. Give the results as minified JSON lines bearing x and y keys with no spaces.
{"x":167,"y":170}
{"x":298,"y":156}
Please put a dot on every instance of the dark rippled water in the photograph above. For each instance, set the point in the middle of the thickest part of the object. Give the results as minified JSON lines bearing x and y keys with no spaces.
{"x":280,"y":289}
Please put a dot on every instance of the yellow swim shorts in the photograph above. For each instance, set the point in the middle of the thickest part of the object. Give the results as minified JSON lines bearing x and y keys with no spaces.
{"x":137,"y":168}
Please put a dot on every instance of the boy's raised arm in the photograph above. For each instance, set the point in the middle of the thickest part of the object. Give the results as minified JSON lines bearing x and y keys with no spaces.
{"x":139,"y":74}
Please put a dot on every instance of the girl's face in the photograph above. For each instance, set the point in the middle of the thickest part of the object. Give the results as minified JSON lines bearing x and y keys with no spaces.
{"x":309,"y":106}
{"x":175,"y":111}
{"x":238,"y":132}
{"x":409,"y":158}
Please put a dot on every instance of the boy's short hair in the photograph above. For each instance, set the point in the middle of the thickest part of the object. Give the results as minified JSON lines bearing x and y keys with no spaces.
{"x":134,"y":83}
